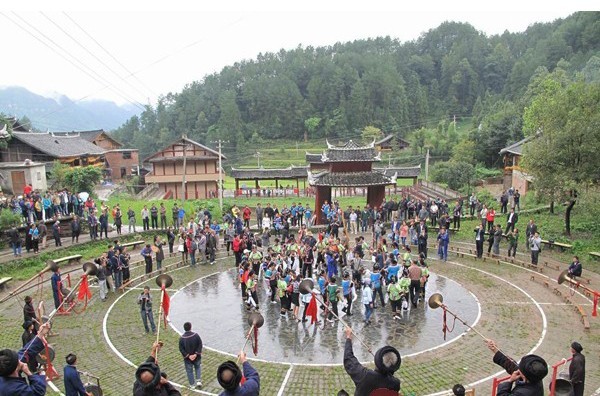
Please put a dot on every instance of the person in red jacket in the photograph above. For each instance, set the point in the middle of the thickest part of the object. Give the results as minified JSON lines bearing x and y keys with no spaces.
{"x":237,"y":249}
{"x":246,"y":213}
{"x":491,"y":215}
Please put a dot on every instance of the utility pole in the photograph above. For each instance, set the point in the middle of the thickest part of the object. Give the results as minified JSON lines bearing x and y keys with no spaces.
{"x":427,"y":166}
{"x":220,"y":147}
{"x":185,"y":147}
{"x":257,"y":156}
{"x":220,"y":178}
{"x":454,"y":123}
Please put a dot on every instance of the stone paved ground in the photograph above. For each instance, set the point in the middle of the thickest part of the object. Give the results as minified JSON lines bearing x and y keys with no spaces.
{"x":508,"y":316}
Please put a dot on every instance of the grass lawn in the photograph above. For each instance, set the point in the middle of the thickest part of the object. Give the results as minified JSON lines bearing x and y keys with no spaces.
{"x":551,"y":227}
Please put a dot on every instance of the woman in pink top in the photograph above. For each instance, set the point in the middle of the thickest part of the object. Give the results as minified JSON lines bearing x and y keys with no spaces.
{"x":403,"y":233}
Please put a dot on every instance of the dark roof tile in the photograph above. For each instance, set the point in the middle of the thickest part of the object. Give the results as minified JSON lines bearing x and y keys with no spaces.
{"x":254,"y":173}
{"x":59,"y":146}
{"x":350,"y":179}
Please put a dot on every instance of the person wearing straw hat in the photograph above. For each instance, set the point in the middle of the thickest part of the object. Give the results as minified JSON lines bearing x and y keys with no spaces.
{"x":229,"y":376}
{"x":577,"y":369}
{"x":387,"y":362}
{"x":525,"y":377}
{"x":149,"y":380}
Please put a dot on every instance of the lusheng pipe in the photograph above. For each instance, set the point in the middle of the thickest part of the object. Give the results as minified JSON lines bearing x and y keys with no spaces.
{"x":50,"y":266}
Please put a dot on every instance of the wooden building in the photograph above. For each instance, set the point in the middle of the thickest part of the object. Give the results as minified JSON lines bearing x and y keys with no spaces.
{"x":295,"y":173}
{"x":120,"y":163}
{"x":391,"y":143}
{"x":513,"y":174}
{"x":201,"y":170}
{"x":348,"y":165}
{"x":46,"y":147}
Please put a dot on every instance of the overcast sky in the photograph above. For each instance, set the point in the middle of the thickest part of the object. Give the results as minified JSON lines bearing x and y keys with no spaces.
{"x":163,"y":47}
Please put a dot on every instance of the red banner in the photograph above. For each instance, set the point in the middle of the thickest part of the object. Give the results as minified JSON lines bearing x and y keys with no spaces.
{"x":166,"y":304}
{"x":84,"y":289}
{"x":311,"y":310}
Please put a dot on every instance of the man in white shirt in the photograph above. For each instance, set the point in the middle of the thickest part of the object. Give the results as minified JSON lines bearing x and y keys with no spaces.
{"x":367,"y":300}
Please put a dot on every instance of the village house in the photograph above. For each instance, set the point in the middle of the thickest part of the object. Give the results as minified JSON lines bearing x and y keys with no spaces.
{"x":120,"y":163}
{"x":200,"y":172}
{"x":513,"y":175}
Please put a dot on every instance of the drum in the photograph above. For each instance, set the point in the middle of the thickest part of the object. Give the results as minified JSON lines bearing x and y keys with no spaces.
{"x":65,"y":292}
{"x":93,"y":389}
{"x":42,"y":358}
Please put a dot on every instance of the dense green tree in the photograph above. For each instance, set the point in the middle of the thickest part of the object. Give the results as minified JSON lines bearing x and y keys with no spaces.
{"x":398,"y":87}
{"x":371,"y":133}
{"x":310,"y":127}
{"x":563,"y":157}
{"x":455,"y":174}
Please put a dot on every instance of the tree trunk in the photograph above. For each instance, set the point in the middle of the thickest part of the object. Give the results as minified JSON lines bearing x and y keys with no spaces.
{"x":552,"y":207}
{"x":568,"y":216}
{"x":305,"y":136}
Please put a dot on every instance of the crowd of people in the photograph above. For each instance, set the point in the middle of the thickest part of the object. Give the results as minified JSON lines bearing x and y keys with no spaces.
{"x":353,"y":256}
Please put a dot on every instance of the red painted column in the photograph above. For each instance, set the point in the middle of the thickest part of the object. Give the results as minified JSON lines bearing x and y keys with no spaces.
{"x":322,"y":194}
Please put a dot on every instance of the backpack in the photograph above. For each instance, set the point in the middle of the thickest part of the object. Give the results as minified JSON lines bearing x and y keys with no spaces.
{"x":194,"y":245}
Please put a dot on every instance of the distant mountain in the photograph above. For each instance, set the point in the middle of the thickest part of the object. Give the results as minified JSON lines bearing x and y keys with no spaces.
{"x":62,"y":114}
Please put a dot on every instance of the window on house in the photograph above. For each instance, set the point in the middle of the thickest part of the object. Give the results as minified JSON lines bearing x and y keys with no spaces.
{"x":126,"y":154}
{"x":123,"y":172}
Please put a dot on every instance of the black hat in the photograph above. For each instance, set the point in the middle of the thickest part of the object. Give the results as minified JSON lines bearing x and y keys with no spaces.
{"x":9,"y":361}
{"x":385,"y":367}
{"x":458,"y":390}
{"x":152,"y":368}
{"x":533,"y":367}
{"x":576,"y":347}
{"x":233,"y":383}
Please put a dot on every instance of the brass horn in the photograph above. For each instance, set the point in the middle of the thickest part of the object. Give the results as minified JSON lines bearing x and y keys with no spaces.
{"x":436,"y":300}
{"x":90,"y":268}
{"x":256,"y":319}
{"x":50,"y":266}
{"x":563,"y":277}
{"x":165,"y":280}
{"x":306,"y":286}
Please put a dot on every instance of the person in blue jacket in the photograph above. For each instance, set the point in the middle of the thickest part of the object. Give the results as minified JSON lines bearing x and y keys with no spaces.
{"x":229,"y":376}
{"x":12,"y":364}
{"x":71,"y":379}
{"x":55,"y":281}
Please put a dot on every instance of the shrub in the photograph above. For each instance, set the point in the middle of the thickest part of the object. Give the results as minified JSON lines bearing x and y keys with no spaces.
{"x":9,"y":219}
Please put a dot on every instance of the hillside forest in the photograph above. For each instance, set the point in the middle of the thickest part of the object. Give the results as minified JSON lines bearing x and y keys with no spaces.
{"x":412,"y":89}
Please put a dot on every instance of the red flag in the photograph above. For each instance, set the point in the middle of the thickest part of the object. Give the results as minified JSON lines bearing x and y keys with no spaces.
{"x":84,"y":289}
{"x":255,"y":341}
{"x":166,"y":303}
{"x":311,"y":310}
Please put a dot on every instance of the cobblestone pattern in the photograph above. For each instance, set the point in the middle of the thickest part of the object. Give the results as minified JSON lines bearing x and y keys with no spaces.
{"x":507,"y":316}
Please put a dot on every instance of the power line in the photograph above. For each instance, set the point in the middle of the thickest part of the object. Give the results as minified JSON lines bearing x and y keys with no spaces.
{"x":91,"y":53}
{"x":66,"y":56}
{"x":130,"y":73}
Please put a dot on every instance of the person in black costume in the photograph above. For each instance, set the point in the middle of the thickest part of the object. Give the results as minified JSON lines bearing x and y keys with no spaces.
{"x":525,"y":377}
{"x":387,"y":362}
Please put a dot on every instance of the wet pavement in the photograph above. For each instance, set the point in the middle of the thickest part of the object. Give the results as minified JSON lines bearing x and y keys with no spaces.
{"x":213,"y":305}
